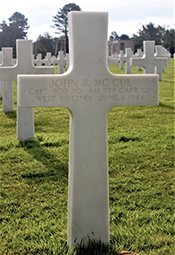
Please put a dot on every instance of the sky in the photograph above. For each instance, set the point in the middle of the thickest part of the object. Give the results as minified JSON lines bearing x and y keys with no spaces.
{"x":125,"y":16}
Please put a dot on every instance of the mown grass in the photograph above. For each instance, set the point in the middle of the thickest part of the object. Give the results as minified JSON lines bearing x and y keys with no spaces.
{"x":34,"y":180}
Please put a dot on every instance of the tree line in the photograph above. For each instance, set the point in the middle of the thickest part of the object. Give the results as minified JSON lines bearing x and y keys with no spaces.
{"x":17,"y":28}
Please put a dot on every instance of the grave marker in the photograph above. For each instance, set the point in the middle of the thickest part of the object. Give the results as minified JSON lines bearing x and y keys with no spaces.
{"x":121,"y":54}
{"x":158,"y":53}
{"x":113,"y":61}
{"x":61,"y":61}
{"x":7,"y":60}
{"x":38,"y":60}
{"x":148,"y":61}
{"x":138,"y":54}
{"x":126,"y":58}
{"x":47,"y":60}
{"x":89,"y":90}
{"x":24,"y":66}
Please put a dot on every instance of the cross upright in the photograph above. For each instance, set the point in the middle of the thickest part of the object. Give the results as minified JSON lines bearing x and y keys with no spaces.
{"x":47,"y":60}
{"x":24,"y":66}
{"x":6,"y":61}
{"x":138,"y":54}
{"x":148,"y":60}
{"x":121,"y":54}
{"x":158,"y":53}
{"x":61,"y":61}
{"x":89,"y":90}
{"x":126,"y":58}
{"x":38,"y":60}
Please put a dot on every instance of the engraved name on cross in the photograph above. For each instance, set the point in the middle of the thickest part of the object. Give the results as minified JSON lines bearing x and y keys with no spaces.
{"x":89,"y":90}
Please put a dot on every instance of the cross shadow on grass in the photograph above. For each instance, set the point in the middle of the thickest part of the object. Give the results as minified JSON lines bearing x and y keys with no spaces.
{"x":93,"y":248}
{"x":166,"y":106}
{"x":55,"y":166}
{"x":11,"y":115}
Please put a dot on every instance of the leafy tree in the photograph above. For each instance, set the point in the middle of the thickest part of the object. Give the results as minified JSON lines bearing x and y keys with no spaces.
{"x":169,"y":40}
{"x":124,"y":37}
{"x":159,"y":34}
{"x":45,"y":43}
{"x":16,"y":29}
{"x":61,"y":20}
{"x":113,"y":36}
{"x":19,"y":21}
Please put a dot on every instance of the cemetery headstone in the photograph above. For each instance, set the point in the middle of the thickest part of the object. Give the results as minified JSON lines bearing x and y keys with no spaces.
{"x":89,"y":90}
{"x":47,"y":61}
{"x":121,"y":54}
{"x":126,"y":58}
{"x":166,"y":53}
{"x":38,"y":60}
{"x":148,"y":61}
{"x":61,"y":61}
{"x":113,"y":61}
{"x":24,"y":66}
{"x":158,"y":53}
{"x":7,"y":60}
{"x":138,"y":54}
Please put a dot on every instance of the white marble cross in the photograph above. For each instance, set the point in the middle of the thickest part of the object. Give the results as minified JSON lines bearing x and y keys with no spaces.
{"x":158,"y":53}
{"x":126,"y":58}
{"x":24,"y":66}
{"x":61,"y":61}
{"x":38,"y":60}
{"x":89,"y":90}
{"x":149,"y":61}
{"x":112,"y":60}
{"x":7,"y":60}
{"x":139,"y":53}
{"x":47,"y":60}
{"x":121,"y":54}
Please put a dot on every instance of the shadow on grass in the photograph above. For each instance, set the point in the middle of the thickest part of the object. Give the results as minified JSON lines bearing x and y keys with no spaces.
{"x":54,"y":165}
{"x":166,"y":106}
{"x":11,"y":115}
{"x":93,"y":248}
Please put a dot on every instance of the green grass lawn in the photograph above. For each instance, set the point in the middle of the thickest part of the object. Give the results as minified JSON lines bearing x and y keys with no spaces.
{"x":34,"y":179}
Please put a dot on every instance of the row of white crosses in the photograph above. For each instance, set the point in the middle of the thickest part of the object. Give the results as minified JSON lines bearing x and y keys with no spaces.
{"x":149,"y":61}
{"x":49,"y":60}
{"x":62,"y":61}
{"x":24,"y":65}
{"x":89,"y":90}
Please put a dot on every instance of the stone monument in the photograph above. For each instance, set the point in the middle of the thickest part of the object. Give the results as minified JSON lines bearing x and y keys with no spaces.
{"x":89,"y":90}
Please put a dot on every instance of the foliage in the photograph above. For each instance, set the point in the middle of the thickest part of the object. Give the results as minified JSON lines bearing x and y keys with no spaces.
{"x":45,"y":43}
{"x":61,"y":20}
{"x":159,"y":34}
{"x":34,"y":179}
{"x":16,"y":29}
{"x":114,"y":36}
{"x":124,"y":37}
